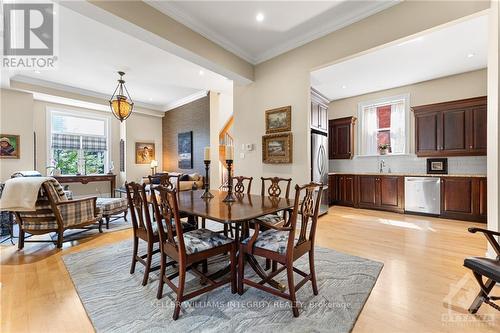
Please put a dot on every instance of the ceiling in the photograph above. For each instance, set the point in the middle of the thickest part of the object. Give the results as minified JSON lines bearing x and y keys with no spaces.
{"x":90,"y":54}
{"x":285,"y":25}
{"x":454,"y":49}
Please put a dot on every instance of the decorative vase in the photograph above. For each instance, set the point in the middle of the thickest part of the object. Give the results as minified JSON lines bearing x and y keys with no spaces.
{"x":57,"y":172}
{"x":383,"y":151}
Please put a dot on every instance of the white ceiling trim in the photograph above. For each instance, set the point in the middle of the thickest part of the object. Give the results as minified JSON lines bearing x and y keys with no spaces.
{"x":200,"y":28}
{"x":75,"y":90}
{"x":323,"y":30}
{"x":186,"y":100}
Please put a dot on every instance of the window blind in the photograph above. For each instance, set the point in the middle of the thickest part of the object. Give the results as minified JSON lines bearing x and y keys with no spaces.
{"x":94,"y":143}
{"x":65,"y":141}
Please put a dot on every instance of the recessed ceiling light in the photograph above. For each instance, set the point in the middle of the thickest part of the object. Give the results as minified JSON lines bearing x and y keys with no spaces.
{"x":201,"y":72}
{"x":470,"y":55}
{"x":150,"y":99}
{"x":37,"y":72}
{"x":344,"y":86}
{"x":259,"y":17}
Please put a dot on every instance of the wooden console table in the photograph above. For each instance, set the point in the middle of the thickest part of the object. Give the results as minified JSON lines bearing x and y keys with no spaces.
{"x":85,"y":179}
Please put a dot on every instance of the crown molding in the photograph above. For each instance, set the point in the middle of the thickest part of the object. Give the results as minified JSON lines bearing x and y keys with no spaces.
{"x":170,"y":9}
{"x":186,"y":100}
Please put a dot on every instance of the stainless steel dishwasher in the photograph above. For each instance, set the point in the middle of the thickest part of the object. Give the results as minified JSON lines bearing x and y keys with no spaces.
{"x":423,"y":195}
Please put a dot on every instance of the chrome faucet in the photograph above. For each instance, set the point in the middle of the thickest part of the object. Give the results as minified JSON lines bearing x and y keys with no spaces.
{"x":381,"y":166}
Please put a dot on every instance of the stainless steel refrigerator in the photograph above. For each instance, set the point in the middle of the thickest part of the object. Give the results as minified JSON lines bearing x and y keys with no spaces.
{"x":319,"y":165}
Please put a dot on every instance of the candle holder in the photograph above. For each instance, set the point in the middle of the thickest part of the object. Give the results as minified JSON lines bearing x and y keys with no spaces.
{"x":229,"y":197}
{"x":207,"y":194}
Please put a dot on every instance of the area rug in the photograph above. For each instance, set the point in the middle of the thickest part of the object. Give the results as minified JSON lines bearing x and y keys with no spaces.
{"x":116,"y":301}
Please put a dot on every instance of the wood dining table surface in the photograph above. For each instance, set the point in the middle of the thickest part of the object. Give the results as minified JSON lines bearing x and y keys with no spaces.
{"x":245,"y":208}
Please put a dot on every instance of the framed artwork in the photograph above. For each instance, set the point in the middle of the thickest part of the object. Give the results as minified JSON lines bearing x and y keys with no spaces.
{"x":277,"y":148}
{"x":279,"y":120}
{"x":185,"y":150}
{"x":437,"y":165}
{"x":9,"y":146}
{"x":144,"y":152}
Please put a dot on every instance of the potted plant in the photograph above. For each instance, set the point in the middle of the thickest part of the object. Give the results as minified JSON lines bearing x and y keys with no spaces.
{"x":383,"y":148}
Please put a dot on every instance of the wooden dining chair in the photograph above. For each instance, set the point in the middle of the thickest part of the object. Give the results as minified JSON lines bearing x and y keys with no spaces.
{"x":280,"y":244}
{"x":187,"y":249}
{"x":143,"y":228}
{"x":239,"y":188}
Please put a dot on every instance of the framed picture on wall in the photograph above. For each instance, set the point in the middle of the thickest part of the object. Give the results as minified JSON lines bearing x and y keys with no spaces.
{"x":185,"y":150}
{"x":437,"y":165}
{"x":144,"y":152}
{"x":10,"y":146}
{"x":279,"y":120}
{"x":277,"y":148}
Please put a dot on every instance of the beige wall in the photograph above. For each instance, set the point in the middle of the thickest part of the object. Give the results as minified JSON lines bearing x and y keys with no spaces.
{"x":142,"y":128}
{"x":16,"y":117}
{"x":466,"y":85}
{"x":284,"y":80}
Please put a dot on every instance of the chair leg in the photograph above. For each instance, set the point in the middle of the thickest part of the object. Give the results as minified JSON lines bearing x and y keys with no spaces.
{"x":163,"y":264}
{"x":241,"y":269}
{"x":313,"y":272}
{"x":203,"y":223}
{"x":204,"y":266}
{"x":60,"y":236}
{"x":180,"y":290}
{"x":291,"y":288}
{"x":107,"y":222}
{"x":134,"y":255}
{"x":233,"y":268}
{"x":125,"y":215}
{"x":20,"y":244}
{"x":226,"y":230}
{"x":274,"y":266}
{"x":268,"y":264}
{"x":148,"y":263}
{"x":478,"y":301}
{"x":99,"y":227}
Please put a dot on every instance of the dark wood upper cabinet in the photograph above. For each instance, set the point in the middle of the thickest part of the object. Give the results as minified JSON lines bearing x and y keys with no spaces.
{"x":456,"y":128}
{"x":341,"y":138}
{"x":319,"y":111}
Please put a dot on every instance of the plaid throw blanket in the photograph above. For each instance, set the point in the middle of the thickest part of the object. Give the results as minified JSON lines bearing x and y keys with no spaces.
{"x":20,"y":194}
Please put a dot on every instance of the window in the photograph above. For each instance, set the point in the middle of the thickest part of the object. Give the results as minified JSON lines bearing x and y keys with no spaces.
{"x":78,"y":144}
{"x":384,"y":122}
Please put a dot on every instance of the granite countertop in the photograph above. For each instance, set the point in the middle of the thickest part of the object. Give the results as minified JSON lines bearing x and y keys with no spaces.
{"x":409,"y":174}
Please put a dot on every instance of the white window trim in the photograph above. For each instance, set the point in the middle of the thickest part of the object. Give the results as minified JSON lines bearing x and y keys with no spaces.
{"x":384,"y":101}
{"x":50,"y":111}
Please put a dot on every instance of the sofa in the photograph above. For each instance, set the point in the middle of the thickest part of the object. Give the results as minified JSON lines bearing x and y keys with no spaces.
{"x":184,"y":181}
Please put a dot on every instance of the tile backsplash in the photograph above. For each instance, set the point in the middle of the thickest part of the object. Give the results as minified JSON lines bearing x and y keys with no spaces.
{"x":409,"y":164}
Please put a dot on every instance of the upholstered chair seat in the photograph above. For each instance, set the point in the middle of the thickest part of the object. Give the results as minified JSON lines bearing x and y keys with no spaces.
{"x":200,"y":240}
{"x":272,"y":240}
{"x":272,"y":219}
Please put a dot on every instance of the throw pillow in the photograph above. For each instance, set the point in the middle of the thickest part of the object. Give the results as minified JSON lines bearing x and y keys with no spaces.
{"x":194,"y":177}
{"x":184,"y":178}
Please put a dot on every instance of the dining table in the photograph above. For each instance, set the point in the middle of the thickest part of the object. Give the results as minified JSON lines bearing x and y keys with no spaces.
{"x":238,"y":214}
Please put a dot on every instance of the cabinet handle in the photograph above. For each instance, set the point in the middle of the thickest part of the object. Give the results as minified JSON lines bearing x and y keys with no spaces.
{"x":470,"y":147}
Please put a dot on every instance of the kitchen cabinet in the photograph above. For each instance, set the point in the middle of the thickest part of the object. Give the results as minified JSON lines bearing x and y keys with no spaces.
{"x":319,"y":111}
{"x":456,"y":128}
{"x":332,"y":189}
{"x":463,"y":198}
{"x":381,"y":192}
{"x":343,"y":192}
{"x":341,"y":138}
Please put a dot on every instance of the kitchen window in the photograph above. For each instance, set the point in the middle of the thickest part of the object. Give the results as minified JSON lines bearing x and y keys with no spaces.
{"x":384,"y":122}
{"x":78,"y":144}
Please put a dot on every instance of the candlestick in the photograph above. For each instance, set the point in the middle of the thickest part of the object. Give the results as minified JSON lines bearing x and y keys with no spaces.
{"x":229,"y":153}
{"x":207,"y":193}
{"x":229,"y":197}
{"x":207,"y":154}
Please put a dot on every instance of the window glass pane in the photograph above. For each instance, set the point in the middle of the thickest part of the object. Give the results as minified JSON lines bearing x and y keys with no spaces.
{"x":66,"y":160}
{"x":384,"y":116}
{"x":94,"y":162}
{"x":78,"y":125}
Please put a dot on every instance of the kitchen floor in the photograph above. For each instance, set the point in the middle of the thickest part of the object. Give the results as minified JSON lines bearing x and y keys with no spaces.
{"x":423,"y":286}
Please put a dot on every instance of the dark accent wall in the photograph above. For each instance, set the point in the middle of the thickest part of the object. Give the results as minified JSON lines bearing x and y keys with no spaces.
{"x":194,"y":116}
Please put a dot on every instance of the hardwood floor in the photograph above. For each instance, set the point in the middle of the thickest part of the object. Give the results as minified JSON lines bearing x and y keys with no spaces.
{"x":422,"y":288}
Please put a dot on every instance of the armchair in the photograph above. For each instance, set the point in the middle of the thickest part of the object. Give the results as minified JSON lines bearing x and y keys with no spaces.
{"x":485,"y":267}
{"x":55,"y":213}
